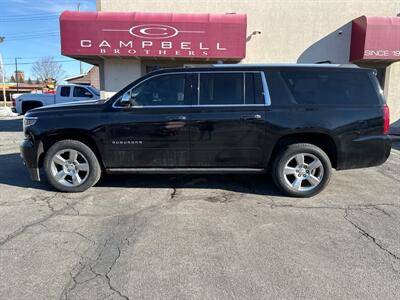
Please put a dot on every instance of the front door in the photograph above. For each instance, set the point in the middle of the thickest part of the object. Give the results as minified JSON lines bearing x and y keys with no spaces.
{"x":228,"y":124}
{"x":153,"y":130}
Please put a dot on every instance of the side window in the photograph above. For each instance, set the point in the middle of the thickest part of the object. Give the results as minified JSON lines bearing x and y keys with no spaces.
{"x":164,"y":90}
{"x":315,"y":87}
{"x":65,"y":91}
{"x":82,"y":92}
{"x":221,"y":88}
{"x":254,"y":89}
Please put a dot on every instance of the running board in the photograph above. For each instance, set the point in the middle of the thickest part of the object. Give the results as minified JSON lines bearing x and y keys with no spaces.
{"x":183,"y":170}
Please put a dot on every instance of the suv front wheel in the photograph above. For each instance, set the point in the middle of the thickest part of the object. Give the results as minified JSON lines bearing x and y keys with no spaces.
{"x":71,"y":166}
{"x":302,"y":170}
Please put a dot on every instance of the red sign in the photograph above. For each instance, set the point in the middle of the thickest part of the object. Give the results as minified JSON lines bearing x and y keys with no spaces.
{"x":375,"y":38}
{"x":212,"y":36}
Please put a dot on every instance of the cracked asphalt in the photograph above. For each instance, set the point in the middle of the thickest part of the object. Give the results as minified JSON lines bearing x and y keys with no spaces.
{"x":192,"y":237}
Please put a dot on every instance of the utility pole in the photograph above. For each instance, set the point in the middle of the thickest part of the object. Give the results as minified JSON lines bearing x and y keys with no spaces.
{"x":3,"y":74}
{"x":78,"y":6}
{"x":16,"y":72}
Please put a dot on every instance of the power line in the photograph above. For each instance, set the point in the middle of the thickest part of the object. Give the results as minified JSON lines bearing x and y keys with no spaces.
{"x":31,"y":63}
{"x":16,"y":34}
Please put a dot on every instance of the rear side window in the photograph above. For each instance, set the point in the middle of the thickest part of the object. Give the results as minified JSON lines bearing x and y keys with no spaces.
{"x":221,"y":88}
{"x":315,"y":87}
{"x":253,"y":88}
{"x":65,"y":90}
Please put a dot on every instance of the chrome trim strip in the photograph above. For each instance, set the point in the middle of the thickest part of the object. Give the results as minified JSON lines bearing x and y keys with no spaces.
{"x":264,"y":83}
{"x":267,"y":97}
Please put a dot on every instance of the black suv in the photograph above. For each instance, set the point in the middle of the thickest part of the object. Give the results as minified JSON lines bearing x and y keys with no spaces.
{"x":299,"y":121}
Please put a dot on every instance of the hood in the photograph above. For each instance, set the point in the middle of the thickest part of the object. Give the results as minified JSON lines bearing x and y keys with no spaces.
{"x":68,"y":106}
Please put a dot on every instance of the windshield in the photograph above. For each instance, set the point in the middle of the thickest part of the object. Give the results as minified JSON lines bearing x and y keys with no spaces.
{"x":94,"y":90}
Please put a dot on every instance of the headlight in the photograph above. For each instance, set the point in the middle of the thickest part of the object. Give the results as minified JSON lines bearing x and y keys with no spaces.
{"x":29,"y":121}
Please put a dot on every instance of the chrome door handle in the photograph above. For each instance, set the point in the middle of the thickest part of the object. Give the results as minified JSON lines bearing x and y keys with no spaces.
{"x":255,"y":117}
{"x":180,"y":118}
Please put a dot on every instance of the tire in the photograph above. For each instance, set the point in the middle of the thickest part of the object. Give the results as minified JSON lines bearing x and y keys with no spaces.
{"x":67,"y":161}
{"x":313,"y":174}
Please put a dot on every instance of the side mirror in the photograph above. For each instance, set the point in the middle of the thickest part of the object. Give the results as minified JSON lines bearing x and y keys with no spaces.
{"x":126,"y":99}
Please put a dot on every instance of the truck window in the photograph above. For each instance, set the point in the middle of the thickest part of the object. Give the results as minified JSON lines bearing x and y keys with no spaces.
{"x":221,"y":88}
{"x":65,"y":91}
{"x":82,"y":92}
{"x":322,"y":87}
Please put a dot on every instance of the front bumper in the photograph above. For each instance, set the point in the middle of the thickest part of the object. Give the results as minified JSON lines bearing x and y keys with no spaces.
{"x":29,"y":155}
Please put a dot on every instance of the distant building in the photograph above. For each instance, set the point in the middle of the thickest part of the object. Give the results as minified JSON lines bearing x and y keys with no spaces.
{"x":90,"y":78}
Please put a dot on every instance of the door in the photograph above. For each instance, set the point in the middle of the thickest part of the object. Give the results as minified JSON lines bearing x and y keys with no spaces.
{"x":153,"y":130}
{"x":227,"y":125}
{"x":81,"y":94}
{"x":65,"y":95}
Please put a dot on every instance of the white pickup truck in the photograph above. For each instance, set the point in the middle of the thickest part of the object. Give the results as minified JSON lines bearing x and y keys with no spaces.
{"x":64,"y":93}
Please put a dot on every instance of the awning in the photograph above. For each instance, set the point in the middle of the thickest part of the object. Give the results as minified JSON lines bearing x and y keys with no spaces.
{"x":375,"y":38}
{"x":167,"y":35}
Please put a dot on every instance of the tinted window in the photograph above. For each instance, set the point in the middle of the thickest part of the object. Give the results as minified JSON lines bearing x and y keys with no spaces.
{"x":335,"y":87}
{"x":82,"y":92}
{"x":254,"y":89}
{"x":221,"y":88}
{"x":168,"y":89}
{"x":65,"y":90}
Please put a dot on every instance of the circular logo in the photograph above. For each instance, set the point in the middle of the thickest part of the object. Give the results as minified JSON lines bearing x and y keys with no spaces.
{"x":153,"y":31}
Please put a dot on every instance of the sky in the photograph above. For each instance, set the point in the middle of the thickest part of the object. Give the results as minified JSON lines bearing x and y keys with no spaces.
{"x":31,"y":30}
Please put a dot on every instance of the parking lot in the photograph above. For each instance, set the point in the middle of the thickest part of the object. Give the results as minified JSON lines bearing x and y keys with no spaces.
{"x":197,"y":236}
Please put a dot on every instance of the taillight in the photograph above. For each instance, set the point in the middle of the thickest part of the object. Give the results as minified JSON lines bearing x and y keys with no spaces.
{"x":386,"y":119}
{"x":13,"y":102}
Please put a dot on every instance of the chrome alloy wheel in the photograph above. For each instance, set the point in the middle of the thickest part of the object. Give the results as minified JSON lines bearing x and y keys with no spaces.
{"x":303,"y":172}
{"x":69,"y":167}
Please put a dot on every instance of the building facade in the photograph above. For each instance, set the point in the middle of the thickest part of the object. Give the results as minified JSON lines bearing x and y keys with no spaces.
{"x":307,"y":31}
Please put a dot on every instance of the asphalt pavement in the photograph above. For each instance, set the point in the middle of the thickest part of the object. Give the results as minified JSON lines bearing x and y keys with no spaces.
{"x":197,"y":237}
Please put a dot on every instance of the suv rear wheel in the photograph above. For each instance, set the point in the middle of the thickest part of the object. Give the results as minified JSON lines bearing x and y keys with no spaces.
{"x":302,"y":170}
{"x":71,"y":166}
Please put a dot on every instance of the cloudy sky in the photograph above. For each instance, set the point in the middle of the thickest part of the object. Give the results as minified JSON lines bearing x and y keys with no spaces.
{"x":31,"y":30}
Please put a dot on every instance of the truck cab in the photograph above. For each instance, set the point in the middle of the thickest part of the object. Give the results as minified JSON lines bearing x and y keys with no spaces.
{"x":63,"y":94}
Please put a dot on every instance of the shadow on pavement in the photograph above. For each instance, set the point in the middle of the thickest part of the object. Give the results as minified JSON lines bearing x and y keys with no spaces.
{"x":14,"y":173}
{"x":11,"y":125}
{"x":260,"y":184}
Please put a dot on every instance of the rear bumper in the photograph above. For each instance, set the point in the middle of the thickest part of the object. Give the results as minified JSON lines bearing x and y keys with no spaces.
{"x":365,"y":152}
{"x":29,"y":155}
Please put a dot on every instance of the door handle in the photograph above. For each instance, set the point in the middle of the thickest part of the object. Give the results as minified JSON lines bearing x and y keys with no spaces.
{"x":254,"y":117}
{"x":174,"y":118}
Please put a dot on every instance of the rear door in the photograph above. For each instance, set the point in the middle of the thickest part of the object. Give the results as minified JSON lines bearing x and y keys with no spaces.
{"x":228,"y":122}
{"x":64,"y":95}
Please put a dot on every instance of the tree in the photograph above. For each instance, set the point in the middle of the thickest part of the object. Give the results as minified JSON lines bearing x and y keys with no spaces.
{"x":46,"y":68}
{"x":12,"y":78}
{"x":29,"y":80}
{"x":37,"y":81}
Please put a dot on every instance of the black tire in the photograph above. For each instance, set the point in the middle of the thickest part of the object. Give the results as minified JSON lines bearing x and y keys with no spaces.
{"x":289,"y":152}
{"x":94,"y":170}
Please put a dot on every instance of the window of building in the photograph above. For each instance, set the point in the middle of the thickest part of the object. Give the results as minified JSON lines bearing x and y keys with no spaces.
{"x":82,"y":92}
{"x":315,"y":87}
{"x":164,"y":90}
{"x":65,"y":91}
{"x":221,"y":88}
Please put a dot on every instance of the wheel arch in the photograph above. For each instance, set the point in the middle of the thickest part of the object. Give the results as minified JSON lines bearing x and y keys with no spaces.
{"x":322,"y":140}
{"x":26,"y":103}
{"x":69,"y":134}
